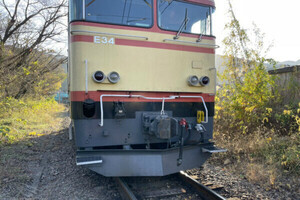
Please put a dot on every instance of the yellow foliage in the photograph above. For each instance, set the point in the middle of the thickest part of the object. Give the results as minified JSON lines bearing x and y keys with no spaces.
{"x":284,"y":163}
{"x":272,"y":179}
{"x":297,"y":118}
{"x":27,"y":118}
{"x":32,"y":133}
{"x":269,"y":110}
{"x":265,"y":120}
{"x":218,"y":107}
{"x":287,"y":112}
{"x":250,"y":109}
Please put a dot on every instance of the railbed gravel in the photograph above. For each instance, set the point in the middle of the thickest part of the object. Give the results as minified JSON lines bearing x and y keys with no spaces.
{"x":234,"y":187}
{"x":47,"y":170}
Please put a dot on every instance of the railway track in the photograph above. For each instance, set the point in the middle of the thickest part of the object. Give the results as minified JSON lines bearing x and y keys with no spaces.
{"x":178,"y":186}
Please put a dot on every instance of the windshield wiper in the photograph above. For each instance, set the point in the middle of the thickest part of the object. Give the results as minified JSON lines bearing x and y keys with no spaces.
{"x":148,"y":4}
{"x":90,"y":3}
{"x":162,"y":12}
{"x":200,"y":38}
{"x":136,"y":20}
{"x":184,"y":24}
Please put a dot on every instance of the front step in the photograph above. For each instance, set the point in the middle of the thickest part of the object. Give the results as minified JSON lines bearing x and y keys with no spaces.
{"x":88,"y":160}
{"x":213,"y":149}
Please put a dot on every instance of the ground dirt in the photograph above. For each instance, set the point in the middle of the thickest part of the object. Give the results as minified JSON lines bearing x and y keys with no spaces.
{"x":44,"y":168}
{"x":234,"y":187}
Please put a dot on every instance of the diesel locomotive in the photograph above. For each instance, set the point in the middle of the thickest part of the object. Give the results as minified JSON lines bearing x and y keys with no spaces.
{"x":142,"y":85}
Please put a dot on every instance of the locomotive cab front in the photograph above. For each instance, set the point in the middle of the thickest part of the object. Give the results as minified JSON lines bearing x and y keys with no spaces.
{"x":142,"y":85}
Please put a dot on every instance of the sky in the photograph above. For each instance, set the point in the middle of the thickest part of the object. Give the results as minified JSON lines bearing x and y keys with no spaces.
{"x":278,"y":19}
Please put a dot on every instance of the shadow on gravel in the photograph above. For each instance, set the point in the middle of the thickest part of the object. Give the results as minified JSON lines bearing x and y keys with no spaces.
{"x":44,"y":168}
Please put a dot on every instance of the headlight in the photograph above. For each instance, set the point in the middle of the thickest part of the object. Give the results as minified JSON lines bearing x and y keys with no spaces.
{"x":204,"y":80}
{"x":99,"y":76}
{"x":113,"y":77}
{"x":193,"y":80}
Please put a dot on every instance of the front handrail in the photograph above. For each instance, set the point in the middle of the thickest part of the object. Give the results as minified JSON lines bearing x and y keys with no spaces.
{"x":189,"y":42}
{"x":148,"y":98}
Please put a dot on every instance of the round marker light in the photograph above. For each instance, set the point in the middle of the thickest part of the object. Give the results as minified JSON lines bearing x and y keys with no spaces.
{"x":99,"y":76}
{"x":193,"y":80}
{"x":113,"y":77}
{"x":204,"y":80}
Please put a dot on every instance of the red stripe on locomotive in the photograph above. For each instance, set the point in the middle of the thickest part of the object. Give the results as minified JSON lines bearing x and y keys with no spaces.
{"x":95,"y":95}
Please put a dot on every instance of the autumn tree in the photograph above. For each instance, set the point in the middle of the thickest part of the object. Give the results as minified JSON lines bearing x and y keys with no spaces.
{"x":246,"y":90}
{"x":29,"y":30}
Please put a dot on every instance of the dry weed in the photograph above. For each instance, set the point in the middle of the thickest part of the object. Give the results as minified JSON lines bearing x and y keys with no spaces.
{"x":260,"y":173}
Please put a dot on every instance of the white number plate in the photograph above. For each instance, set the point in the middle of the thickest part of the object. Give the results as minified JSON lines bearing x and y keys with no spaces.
{"x":104,"y":40}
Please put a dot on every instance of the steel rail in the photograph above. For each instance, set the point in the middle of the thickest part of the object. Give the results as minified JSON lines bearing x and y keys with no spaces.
{"x":124,"y":190}
{"x":205,"y":192}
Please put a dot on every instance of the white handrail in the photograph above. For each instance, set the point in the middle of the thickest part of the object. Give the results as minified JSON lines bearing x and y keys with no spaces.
{"x":148,"y":98}
{"x":112,"y":34}
{"x":204,"y":104}
{"x":86,"y":76}
{"x":213,"y":46}
{"x":101,"y":103}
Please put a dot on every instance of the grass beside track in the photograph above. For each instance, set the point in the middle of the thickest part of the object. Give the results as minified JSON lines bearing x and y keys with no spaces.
{"x":263,"y":158}
{"x":23,"y":123}
{"x":27,"y":118}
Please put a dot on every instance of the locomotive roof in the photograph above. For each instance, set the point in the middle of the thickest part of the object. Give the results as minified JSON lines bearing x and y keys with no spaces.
{"x":207,"y":2}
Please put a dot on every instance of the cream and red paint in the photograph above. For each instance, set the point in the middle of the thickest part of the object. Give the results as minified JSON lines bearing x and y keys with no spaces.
{"x":85,"y":42}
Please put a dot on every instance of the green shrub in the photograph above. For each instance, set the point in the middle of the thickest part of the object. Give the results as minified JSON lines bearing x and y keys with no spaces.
{"x":24,"y":118}
{"x":284,"y":152}
{"x":251,"y":119}
{"x":244,"y":102}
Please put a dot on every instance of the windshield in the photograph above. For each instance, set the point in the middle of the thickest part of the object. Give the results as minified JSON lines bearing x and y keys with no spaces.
{"x":171,"y":15}
{"x":122,"y":12}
